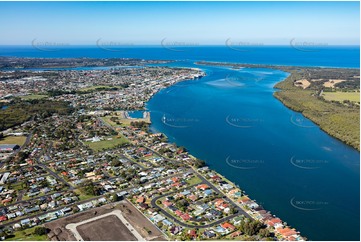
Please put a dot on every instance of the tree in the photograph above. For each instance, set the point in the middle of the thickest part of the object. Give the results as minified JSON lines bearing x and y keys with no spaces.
{"x":159,"y":224}
{"x":264,"y":233}
{"x":113,"y":197}
{"x":40,"y":231}
{"x":115,"y":162}
{"x":140,"y":124}
{"x":3,"y":234}
{"x":182,"y":204}
{"x":250,"y":227}
{"x":199,"y":163}
{"x":75,"y":209}
{"x":89,"y":189}
{"x":234,"y":210}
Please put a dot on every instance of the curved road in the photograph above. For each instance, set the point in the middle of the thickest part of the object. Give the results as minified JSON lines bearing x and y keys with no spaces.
{"x":204,"y":181}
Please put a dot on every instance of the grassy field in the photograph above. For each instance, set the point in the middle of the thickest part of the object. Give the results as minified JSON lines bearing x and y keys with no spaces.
{"x":83,"y":196}
{"x":113,"y":124}
{"x":16,"y":186}
{"x":107,"y":144}
{"x":33,"y":96}
{"x":338,"y":120}
{"x":19,"y":140}
{"x":194,"y":180}
{"x":341,"y":96}
{"x":27,"y":235}
{"x":123,"y":121}
{"x":98,"y":88}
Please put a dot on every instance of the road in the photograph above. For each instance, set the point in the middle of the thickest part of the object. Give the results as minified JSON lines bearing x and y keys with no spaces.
{"x":106,"y":124}
{"x":76,"y":203}
{"x":55,"y":175}
{"x":239,"y":212}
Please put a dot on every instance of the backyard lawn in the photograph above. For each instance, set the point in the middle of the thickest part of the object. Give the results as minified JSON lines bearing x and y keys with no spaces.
{"x":27,"y":235}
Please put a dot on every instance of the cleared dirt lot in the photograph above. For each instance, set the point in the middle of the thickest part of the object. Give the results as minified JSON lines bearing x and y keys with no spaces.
{"x":130,"y":213}
{"x":109,"y":228}
{"x":302,"y":83}
{"x":139,"y":222}
{"x":332,"y":83}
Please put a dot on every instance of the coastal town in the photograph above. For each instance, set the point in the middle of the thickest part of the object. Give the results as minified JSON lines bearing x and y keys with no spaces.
{"x":80,"y":150}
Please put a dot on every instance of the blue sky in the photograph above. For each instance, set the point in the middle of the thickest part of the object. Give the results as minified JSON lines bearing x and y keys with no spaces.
{"x":201,"y":23}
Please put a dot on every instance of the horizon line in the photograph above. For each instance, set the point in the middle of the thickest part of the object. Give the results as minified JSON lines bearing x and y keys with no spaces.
{"x":66,"y":45}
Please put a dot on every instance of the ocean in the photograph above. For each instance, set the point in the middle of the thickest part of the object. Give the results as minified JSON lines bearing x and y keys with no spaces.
{"x":231,"y":120}
{"x":324,"y":56}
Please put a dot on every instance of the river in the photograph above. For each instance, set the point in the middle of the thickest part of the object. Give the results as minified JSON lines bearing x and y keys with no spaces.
{"x":231,"y":120}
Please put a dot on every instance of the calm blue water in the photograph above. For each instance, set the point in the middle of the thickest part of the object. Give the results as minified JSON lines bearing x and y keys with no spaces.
{"x":136,"y":114}
{"x":277,"y":55}
{"x":231,"y":119}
